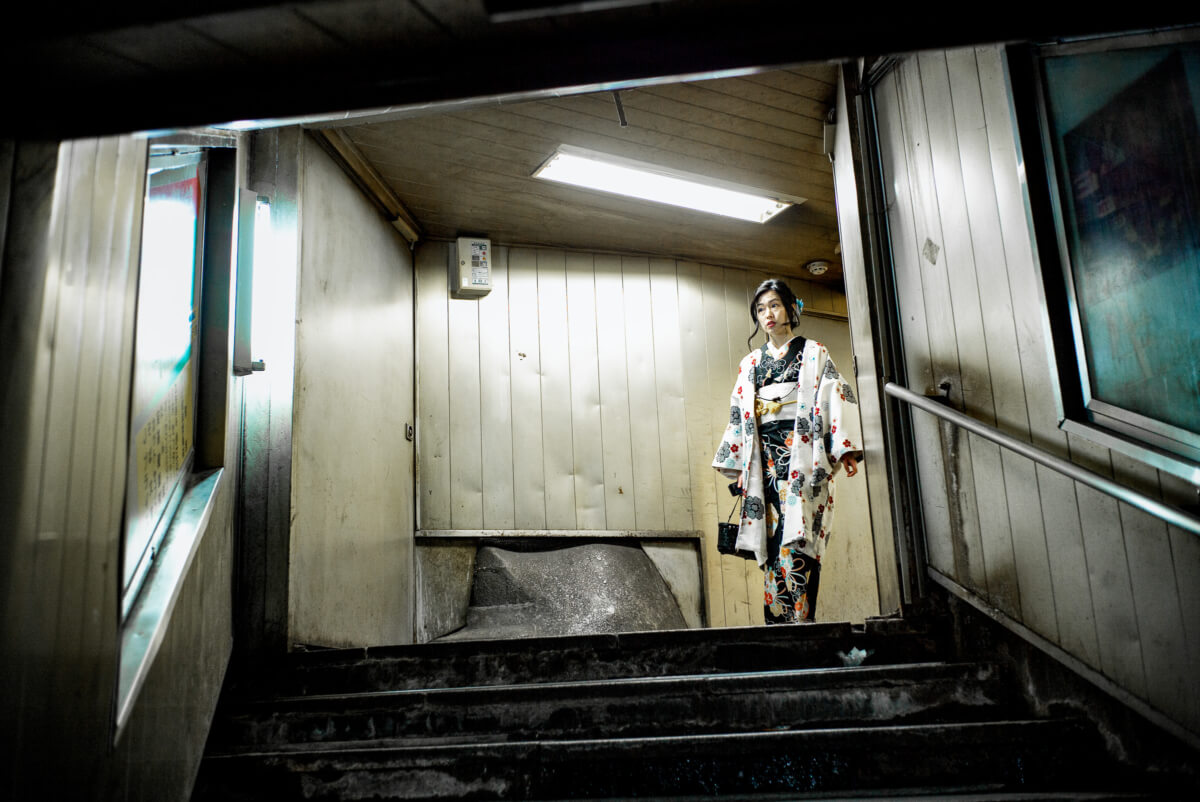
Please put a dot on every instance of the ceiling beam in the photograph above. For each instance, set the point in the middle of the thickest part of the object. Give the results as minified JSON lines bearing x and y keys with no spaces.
{"x":347,"y":155}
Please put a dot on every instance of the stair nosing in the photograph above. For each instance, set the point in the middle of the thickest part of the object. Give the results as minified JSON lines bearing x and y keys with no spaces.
{"x":931,"y":670}
{"x":900,"y":730}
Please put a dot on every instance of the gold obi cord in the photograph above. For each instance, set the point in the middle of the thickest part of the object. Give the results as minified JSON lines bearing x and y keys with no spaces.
{"x":762,"y":406}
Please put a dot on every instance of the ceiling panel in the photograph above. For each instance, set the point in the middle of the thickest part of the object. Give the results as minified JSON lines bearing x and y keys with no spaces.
{"x":468,"y":171}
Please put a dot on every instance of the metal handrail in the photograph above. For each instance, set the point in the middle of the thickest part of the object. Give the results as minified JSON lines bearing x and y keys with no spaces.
{"x":1171,"y":514}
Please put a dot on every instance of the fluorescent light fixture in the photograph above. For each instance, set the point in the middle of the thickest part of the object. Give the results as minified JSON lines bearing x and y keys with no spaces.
{"x":600,"y":171}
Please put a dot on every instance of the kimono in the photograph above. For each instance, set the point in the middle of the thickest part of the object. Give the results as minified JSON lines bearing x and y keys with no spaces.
{"x":786,"y":459}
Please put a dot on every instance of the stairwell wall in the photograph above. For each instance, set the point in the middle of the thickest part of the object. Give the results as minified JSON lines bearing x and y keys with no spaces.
{"x":70,"y":259}
{"x":351,"y":548}
{"x":1108,"y":584}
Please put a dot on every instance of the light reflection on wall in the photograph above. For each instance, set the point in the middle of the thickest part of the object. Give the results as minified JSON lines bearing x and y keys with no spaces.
{"x":273,"y":328}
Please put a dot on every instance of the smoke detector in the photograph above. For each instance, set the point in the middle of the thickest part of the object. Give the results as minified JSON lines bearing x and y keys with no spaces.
{"x":817,"y":266}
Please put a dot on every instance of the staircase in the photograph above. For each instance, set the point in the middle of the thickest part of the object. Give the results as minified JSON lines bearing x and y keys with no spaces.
{"x":740,"y":713}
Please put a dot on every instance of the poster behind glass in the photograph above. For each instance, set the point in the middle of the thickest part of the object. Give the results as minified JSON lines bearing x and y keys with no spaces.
{"x":162,"y":406}
{"x":1126,"y":136}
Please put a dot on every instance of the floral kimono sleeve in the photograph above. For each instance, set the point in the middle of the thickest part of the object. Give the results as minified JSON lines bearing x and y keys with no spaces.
{"x":839,"y":408}
{"x":731,"y":455}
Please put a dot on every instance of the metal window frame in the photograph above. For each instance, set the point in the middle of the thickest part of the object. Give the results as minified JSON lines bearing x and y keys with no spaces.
{"x":1156,"y":443}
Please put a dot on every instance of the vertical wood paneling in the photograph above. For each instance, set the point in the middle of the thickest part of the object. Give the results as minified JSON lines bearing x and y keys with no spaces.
{"x":557,"y":425}
{"x":999,"y":332}
{"x":1185,"y":553}
{"x":433,"y":389}
{"x":112,"y":403}
{"x":669,"y":385}
{"x":737,"y":312}
{"x":57,"y":570}
{"x":350,"y":546}
{"x":68,"y":482}
{"x":937,"y":211}
{"x":899,"y":184}
{"x":708,"y":505}
{"x":466,"y":465}
{"x":817,"y":297}
{"x":729,"y":298}
{"x":620,"y":512}
{"x":82,"y":529}
{"x":720,"y":382}
{"x":587,"y":433}
{"x":1170,"y":679}
{"x":961,"y":253}
{"x":867,"y":378}
{"x":1118,"y":641}
{"x":643,"y":393}
{"x":1094,"y":548}
{"x":495,"y":389}
{"x":528,"y":470}
{"x":32,"y":262}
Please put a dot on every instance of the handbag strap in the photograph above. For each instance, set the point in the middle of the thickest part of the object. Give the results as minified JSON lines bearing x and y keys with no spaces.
{"x":734,"y":507}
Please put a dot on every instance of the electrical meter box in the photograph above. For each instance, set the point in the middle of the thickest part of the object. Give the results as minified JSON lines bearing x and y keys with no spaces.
{"x":472,"y":273}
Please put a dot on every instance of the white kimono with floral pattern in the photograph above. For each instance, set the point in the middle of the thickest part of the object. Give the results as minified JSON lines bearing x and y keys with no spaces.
{"x":827,"y":427}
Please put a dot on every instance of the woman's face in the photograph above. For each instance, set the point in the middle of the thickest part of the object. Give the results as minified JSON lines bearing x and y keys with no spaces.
{"x":772,"y":314}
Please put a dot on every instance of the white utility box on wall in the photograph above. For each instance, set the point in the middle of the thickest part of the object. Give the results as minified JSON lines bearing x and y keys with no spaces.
{"x":471,"y":276}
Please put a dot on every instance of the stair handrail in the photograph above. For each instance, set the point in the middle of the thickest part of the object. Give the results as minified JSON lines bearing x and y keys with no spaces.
{"x":1167,"y":512}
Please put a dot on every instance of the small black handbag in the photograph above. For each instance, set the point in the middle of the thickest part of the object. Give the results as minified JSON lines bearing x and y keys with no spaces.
{"x":727,"y":534}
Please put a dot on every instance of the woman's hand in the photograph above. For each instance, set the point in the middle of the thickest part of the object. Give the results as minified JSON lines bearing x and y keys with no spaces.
{"x":850,"y":463}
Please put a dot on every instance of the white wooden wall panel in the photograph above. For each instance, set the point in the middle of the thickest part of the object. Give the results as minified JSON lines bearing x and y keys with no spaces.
{"x":588,"y":434}
{"x":433,"y":387}
{"x":110,"y":451}
{"x":643,"y":393}
{"x":739,"y":289}
{"x":864,"y":367}
{"x":998,"y":328}
{"x":906,"y":254}
{"x":669,"y":384}
{"x":466,"y":464}
{"x":495,"y":392}
{"x":1170,"y":679}
{"x":1185,"y":553}
{"x":62,"y":533}
{"x":727,"y":288}
{"x":720,"y":381}
{"x":1107,"y":583}
{"x":92,"y":434}
{"x":619,"y":507}
{"x":351,"y":542}
{"x":529,"y":481}
{"x":958,"y":145}
{"x":709,"y":503}
{"x":557,"y":424}
{"x":945,"y":257}
{"x":1118,"y":640}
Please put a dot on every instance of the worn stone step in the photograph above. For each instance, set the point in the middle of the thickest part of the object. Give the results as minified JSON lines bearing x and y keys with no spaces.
{"x":1007,"y":756}
{"x":703,"y":703}
{"x":589,"y":657}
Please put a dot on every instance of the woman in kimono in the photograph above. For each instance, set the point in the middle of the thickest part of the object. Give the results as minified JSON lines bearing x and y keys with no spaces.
{"x":793,"y":423}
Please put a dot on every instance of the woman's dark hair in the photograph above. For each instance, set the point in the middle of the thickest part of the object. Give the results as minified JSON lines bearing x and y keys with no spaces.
{"x":785,"y":294}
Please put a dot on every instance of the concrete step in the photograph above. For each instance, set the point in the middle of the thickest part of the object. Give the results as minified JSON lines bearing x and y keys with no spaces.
{"x":589,"y":657}
{"x":635,"y":707}
{"x":1043,"y":756}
